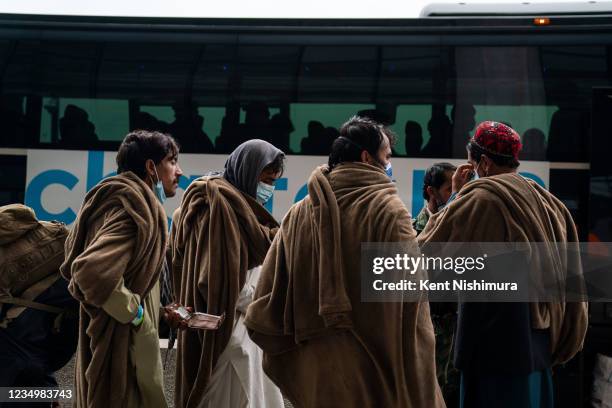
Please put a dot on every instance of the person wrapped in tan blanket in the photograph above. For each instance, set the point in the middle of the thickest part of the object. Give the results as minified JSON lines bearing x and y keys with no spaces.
{"x":220,"y":235}
{"x":114,"y":255}
{"x":505,"y":351}
{"x":322,"y":345}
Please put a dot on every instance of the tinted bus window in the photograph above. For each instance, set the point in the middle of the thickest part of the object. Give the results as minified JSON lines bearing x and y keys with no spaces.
{"x":315,"y":124}
{"x":79,"y":121}
{"x":213,"y":96}
{"x":411,"y":128}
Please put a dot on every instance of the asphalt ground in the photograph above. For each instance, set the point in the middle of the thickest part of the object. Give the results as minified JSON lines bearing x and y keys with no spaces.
{"x":65,"y":377}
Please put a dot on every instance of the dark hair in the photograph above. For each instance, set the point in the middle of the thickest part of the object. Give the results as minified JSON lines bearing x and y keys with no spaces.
{"x":277,"y":165}
{"x":142,"y":145}
{"x":356,"y":135}
{"x":503,"y":161}
{"x":435,"y":176}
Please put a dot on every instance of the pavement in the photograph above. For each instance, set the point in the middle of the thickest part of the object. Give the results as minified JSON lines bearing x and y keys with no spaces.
{"x":65,"y":377}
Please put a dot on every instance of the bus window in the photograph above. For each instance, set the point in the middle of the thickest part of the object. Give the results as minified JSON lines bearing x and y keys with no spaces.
{"x":189,"y":125}
{"x":338,"y":74}
{"x":154,"y":117}
{"x":130,"y":69}
{"x":273,"y":91}
{"x":530,"y":121}
{"x":570,"y":74}
{"x":265,"y":73}
{"x":414,"y":126}
{"x":13,"y":119}
{"x":316,"y":125}
{"x":213,"y":117}
{"x":83,"y":121}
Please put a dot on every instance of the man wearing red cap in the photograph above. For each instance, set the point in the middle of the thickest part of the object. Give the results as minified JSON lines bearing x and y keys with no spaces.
{"x":505,"y":351}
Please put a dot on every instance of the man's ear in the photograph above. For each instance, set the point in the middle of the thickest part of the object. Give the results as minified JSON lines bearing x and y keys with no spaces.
{"x":486,"y":164}
{"x":430,"y":192}
{"x":150,"y":168}
{"x":365,"y":157}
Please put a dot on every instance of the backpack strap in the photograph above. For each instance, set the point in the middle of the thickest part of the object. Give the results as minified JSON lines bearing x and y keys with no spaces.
{"x":30,"y":304}
{"x":18,"y":304}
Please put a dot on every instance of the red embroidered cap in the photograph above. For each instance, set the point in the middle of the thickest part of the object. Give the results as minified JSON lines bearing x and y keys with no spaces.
{"x":497,"y":138}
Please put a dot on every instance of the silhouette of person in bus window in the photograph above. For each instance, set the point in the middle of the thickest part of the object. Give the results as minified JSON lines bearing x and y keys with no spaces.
{"x":439,"y":128}
{"x":376,"y":115}
{"x":534,"y":145}
{"x":227,"y":141}
{"x":414,"y":138}
{"x":463,"y":122}
{"x":569,"y":130}
{"x":75,"y":128}
{"x":256,"y":123}
{"x":280,"y":131}
{"x":146,"y":121}
{"x":329,"y":135}
{"x":314,"y":143}
{"x":13,"y":121}
{"x":187,"y":129}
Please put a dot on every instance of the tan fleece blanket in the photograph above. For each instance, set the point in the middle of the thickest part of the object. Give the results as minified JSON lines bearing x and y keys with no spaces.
{"x":120,"y":232}
{"x":322,"y":345}
{"x":510,"y":208}
{"x":15,"y":221}
{"x":218,"y":234}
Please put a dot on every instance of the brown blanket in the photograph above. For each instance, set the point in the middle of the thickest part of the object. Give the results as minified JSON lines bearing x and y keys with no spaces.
{"x":120,"y":232}
{"x":510,"y":208}
{"x":217,"y":236}
{"x":322,"y":345}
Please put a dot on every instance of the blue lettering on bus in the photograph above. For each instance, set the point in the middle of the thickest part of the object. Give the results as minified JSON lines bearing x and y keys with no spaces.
{"x":95,"y":173}
{"x":184,"y":182}
{"x":95,"y":169}
{"x":302,"y":192}
{"x":34,"y":192}
{"x":280,"y":185}
{"x":533,"y":177}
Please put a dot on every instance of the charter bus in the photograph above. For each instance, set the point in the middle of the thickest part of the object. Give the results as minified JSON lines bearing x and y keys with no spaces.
{"x":71,"y":87}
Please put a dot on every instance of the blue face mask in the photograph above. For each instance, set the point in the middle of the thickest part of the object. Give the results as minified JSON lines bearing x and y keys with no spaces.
{"x":264,"y":192}
{"x":389,"y":170}
{"x":160,"y":193}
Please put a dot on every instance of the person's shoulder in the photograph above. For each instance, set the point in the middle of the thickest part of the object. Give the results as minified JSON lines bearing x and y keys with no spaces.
{"x":124,"y":184}
{"x":298,"y":214}
{"x":202,"y":182}
{"x":301,"y":207}
{"x":479,"y":193}
{"x":484,"y":188}
{"x":552,"y":200}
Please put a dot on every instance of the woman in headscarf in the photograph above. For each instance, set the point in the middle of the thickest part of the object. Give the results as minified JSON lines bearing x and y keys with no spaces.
{"x":220,"y":237}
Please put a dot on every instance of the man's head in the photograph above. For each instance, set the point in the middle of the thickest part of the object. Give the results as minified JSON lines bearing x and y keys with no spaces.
{"x":273,"y":171}
{"x":494,"y":149}
{"x":254,"y":167}
{"x":152,"y":156}
{"x":437,"y":185}
{"x":362,"y":140}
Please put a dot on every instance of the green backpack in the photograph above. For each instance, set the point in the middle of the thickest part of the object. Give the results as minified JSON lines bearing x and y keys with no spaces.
{"x":31,"y":253}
